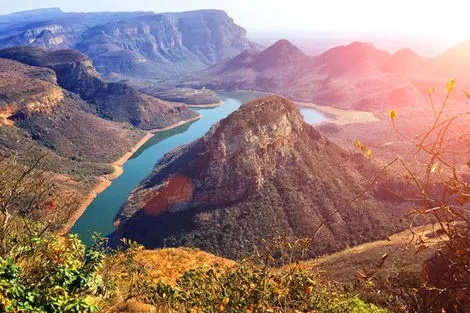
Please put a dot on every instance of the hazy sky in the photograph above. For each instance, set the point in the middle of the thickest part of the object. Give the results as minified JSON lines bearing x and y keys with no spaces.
{"x":431,"y":18}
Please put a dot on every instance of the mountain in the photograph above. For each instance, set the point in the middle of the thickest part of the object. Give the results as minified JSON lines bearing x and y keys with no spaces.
{"x":114,"y":101}
{"x":357,"y":58}
{"x":52,"y":28}
{"x":37,"y":114}
{"x":348,"y":77}
{"x":404,"y":61}
{"x":132,"y":44}
{"x":454,"y":62}
{"x":260,"y":171}
{"x":272,"y":69}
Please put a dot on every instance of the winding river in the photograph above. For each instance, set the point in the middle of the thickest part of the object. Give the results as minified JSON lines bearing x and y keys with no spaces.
{"x":100,"y":215}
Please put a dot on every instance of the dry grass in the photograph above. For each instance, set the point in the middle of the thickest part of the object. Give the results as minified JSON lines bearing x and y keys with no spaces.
{"x":167,"y":265}
{"x":401,"y":251}
{"x":163,"y":265}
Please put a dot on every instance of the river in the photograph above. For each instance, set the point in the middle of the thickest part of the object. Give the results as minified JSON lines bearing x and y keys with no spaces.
{"x":100,"y":214}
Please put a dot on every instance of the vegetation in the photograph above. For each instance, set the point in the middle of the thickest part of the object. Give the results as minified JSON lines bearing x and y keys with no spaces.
{"x":41,"y":271}
{"x":184,"y":95}
{"x":260,"y":171}
{"x":253,"y":286}
{"x":438,"y":190}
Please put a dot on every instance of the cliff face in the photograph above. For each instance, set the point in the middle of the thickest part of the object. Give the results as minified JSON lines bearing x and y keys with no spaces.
{"x":134,"y":44}
{"x":25,"y":90}
{"x":260,"y":171}
{"x":164,"y":43}
{"x":31,"y":101}
{"x":114,"y":101}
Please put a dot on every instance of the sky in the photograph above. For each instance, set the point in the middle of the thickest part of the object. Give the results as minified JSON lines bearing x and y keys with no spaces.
{"x":427,"y":18}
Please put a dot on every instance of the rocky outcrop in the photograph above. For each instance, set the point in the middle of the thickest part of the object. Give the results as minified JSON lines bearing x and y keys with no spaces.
{"x":25,"y":90}
{"x":133,"y":44}
{"x":260,"y":171}
{"x":32,"y":100}
{"x":114,"y":101}
{"x":164,"y":44}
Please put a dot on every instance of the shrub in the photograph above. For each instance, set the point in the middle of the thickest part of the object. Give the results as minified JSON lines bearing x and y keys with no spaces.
{"x":52,"y":274}
{"x":255,"y":286}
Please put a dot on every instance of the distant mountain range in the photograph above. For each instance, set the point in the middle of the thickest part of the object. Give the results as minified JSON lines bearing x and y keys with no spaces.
{"x":260,"y":171}
{"x":356,"y":76}
{"x":131,"y":44}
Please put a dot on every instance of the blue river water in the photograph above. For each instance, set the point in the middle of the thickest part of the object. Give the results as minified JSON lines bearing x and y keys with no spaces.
{"x":100,"y":214}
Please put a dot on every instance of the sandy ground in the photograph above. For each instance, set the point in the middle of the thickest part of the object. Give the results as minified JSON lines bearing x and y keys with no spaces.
{"x":212,"y":105}
{"x":342,"y":117}
{"x":157,"y":130}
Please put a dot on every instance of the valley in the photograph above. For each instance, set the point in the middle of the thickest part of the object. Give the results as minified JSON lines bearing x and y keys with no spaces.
{"x":163,"y":161}
{"x":101,"y":213}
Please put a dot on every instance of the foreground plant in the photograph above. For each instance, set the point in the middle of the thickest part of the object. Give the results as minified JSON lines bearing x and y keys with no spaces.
{"x":437,"y":186}
{"x":256,"y":286}
{"x":41,"y":271}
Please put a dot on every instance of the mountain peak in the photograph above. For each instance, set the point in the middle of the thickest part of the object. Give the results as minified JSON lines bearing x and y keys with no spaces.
{"x":356,"y":58}
{"x":269,"y":110}
{"x":262,"y":167}
{"x":283,"y":46}
{"x":361,"y":45}
{"x":283,"y":43}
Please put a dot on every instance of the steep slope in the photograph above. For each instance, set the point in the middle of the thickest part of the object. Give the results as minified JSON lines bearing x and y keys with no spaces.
{"x":35,"y":112}
{"x":132,"y":44}
{"x":114,"y":101}
{"x":52,"y":28}
{"x":260,"y":171}
{"x":275,"y":68}
{"x":164,"y":43}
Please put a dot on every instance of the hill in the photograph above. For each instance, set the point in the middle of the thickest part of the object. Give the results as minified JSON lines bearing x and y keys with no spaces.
{"x":38,"y":116}
{"x":273,"y":69}
{"x":189,"y":96}
{"x":131,"y":44}
{"x":114,"y":101}
{"x":260,"y":171}
{"x":347,"y":77}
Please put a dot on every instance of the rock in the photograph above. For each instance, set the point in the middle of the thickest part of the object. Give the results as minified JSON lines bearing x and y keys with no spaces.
{"x":132,"y":44}
{"x":114,"y":101}
{"x":260,"y":171}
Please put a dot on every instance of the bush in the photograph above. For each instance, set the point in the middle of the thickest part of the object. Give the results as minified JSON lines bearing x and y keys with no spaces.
{"x":52,"y":274}
{"x":255,"y":286}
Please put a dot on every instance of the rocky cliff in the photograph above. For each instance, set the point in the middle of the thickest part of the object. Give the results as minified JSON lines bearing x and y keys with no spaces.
{"x":114,"y":101}
{"x":26,"y":90}
{"x":37,"y":114}
{"x":260,"y":171}
{"x":132,"y":44}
